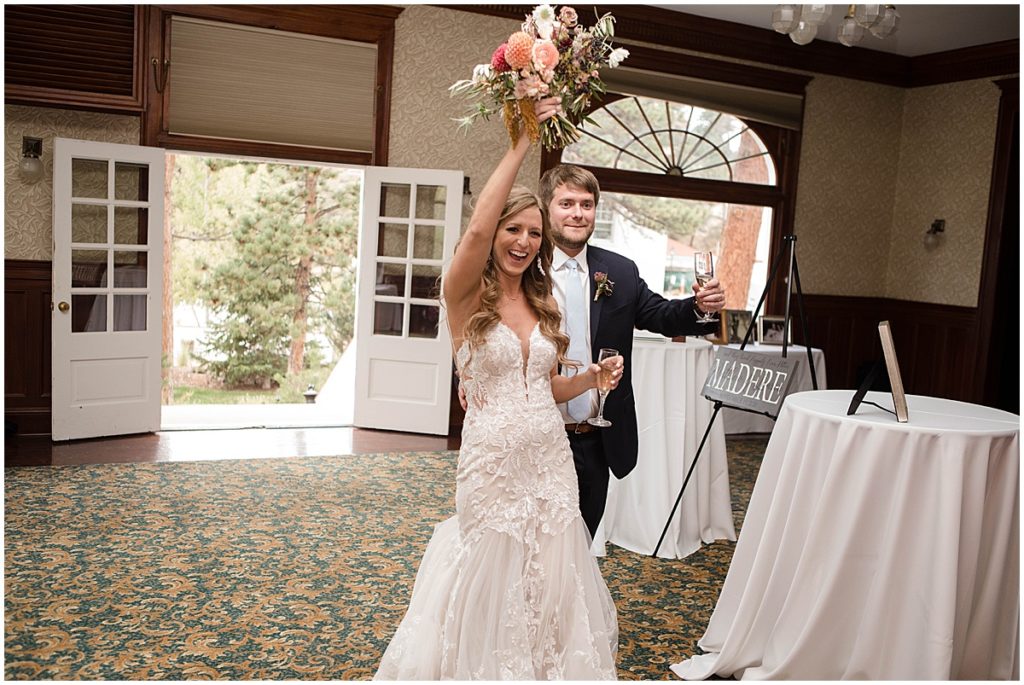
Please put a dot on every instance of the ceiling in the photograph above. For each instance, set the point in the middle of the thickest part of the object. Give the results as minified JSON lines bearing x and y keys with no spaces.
{"x":924,"y":29}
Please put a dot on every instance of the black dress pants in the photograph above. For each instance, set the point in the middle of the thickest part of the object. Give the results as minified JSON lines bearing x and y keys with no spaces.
{"x":592,"y":475}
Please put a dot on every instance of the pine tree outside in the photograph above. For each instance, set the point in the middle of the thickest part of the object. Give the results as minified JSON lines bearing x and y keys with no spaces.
{"x":261,"y":273}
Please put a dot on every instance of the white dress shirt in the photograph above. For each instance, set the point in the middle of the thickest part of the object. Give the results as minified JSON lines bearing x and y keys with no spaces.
{"x":559,"y":274}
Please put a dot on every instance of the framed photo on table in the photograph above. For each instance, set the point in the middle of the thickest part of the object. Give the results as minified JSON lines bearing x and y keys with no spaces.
{"x":737,"y":321}
{"x":770,"y":329}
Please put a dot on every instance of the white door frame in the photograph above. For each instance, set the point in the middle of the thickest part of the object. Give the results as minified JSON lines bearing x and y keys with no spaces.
{"x":403,"y":366}
{"x":106,"y":373}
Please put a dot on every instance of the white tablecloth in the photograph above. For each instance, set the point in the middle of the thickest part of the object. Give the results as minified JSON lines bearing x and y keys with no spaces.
{"x":672,"y":416}
{"x":874,"y":550}
{"x":737,"y":421}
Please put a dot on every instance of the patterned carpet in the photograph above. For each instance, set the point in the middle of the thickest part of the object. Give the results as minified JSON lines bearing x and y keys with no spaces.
{"x":275,"y":569}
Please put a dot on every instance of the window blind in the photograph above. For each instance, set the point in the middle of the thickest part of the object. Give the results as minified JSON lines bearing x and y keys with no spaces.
{"x":247,"y":83}
{"x":768,"y":106}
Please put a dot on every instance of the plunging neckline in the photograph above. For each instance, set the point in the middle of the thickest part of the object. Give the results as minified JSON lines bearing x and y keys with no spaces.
{"x":524,"y":358}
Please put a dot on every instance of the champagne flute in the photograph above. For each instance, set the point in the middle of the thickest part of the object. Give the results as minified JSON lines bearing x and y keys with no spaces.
{"x":604,"y":386}
{"x":704,"y":271}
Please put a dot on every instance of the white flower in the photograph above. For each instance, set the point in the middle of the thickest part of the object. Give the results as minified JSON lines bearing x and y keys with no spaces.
{"x":544,"y":13}
{"x":544,"y":18}
{"x":616,"y":56}
{"x":482,"y":73}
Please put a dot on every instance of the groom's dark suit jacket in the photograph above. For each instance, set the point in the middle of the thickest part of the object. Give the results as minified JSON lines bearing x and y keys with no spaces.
{"x":612,"y":320}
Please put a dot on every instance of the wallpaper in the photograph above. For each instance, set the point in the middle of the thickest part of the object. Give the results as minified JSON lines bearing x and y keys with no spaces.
{"x":28,"y":214}
{"x":423,"y":133}
{"x":946,"y":155}
{"x":878,"y":163}
{"x":848,"y":169}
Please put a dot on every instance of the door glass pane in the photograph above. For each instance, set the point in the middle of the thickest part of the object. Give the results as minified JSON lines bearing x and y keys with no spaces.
{"x":89,"y":178}
{"x":88,"y":224}
{"x":391,"y":280}
{"x":129,"y":312}
{"x":394,"y":200}
{"x":392,"y":240}
{"x":428,"y":242}
{"x":130,"y":225}
{"x":130,"y":270}
{"x":387,"y":318}
{"x":88,"y":268}
{"x":423,"y":320}
{"x":424,"y":281}
{"x":430,"y":202}
{"x":88,"y":313}
{"x":131,"y":181}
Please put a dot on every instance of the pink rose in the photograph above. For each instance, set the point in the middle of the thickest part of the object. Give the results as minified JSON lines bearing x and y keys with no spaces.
{"x":545,"y":55}
{"x":567,"y":15}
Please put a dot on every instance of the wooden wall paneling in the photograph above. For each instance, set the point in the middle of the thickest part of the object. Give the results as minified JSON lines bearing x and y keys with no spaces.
{"x":936,"y":344}
{"x":27,"y":371}
{"x":80,"y":56}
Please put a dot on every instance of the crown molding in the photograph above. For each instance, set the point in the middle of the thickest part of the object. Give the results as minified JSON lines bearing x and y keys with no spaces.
{"x":670,"y":29}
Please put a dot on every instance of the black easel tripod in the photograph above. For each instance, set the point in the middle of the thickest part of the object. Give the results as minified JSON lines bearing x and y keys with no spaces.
{"x":793,"y":278}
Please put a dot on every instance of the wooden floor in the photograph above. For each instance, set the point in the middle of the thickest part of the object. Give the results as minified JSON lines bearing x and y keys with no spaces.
{"x":200,"y":445}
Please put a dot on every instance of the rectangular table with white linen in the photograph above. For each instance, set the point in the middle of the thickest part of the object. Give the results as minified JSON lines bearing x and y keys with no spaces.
{"x":875,"y":550}
{"x":737,"y":421}
{"x":672,"y":416}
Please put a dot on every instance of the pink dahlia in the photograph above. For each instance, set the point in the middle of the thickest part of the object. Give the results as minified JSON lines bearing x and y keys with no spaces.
{"x":518,"y":50}
{"x":545,"y":55}
{"x":498,"y":62}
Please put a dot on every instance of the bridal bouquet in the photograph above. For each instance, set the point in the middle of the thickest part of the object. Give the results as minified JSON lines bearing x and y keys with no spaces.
{"x":551,"y":56}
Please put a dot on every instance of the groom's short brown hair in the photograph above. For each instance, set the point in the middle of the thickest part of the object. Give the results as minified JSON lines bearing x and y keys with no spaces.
{"x":567,"y":174}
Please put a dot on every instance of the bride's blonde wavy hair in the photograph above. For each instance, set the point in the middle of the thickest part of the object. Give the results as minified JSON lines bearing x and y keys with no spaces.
{"x":536,"y":284}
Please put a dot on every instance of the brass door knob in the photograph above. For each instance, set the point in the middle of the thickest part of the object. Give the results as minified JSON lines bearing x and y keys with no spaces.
{"x":64,"y":306}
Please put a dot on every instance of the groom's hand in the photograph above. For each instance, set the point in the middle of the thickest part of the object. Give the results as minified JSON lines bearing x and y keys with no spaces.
{"x":710,"y":298}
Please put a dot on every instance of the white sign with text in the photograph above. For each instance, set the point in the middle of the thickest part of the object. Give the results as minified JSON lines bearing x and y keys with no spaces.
{"x":749,"y":380}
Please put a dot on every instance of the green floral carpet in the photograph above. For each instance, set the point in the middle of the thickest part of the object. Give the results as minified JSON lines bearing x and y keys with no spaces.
{"x":282,"y":569}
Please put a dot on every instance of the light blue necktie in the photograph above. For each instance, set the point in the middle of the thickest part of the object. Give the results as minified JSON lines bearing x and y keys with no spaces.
{"x":576,"y":328}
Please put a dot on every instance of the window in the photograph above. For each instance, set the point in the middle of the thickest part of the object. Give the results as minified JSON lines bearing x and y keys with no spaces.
{"x":676,"y":178}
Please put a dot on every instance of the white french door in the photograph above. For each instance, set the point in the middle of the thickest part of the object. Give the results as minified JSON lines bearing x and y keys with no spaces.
{"x":409,"y":226}
{"x":107,"y":281}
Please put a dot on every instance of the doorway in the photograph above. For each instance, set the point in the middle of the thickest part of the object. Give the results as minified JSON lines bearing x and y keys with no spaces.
{"x":259,"y":286}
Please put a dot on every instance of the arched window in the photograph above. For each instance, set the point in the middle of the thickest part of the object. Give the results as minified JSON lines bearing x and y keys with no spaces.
{"x":678,"y":177}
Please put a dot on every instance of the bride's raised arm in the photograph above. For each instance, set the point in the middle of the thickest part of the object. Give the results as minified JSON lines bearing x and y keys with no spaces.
{"x":461,"y":285}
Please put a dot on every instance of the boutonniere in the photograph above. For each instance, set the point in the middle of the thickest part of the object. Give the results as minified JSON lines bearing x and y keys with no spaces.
{"x":605,"y":286}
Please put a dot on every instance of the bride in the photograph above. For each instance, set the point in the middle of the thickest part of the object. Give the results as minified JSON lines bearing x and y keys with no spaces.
{"x":507,"y":588}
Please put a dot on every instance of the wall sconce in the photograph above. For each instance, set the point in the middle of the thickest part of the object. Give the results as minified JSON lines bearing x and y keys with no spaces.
{"x":31,"y":167}
{"x":933,"y":236}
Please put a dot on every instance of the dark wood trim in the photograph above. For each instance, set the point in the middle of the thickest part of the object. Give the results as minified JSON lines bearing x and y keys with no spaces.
{"x":382,"y":102}
{"x":936,"y":344}
{"x":646,"y":24}
{"x":245,"y":148}
{"x":362,"y":23}
{"x":687,"y":188}
{"x":36,"y":96}
{"x":27,"y":297}
{"x":988,"y":288}
{"x":982,"y":61}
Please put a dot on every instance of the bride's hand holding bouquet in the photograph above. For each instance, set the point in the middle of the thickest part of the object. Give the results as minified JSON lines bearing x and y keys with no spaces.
{"x":551,"y":56}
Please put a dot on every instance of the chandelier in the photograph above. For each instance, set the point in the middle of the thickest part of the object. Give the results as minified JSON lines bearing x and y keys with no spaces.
{"x":801,"y":22}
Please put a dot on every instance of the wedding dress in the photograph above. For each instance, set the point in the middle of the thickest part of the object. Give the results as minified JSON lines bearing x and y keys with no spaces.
{"x":507,"y":588}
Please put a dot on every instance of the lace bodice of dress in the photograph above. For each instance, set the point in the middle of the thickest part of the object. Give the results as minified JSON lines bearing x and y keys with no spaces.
{"x":515,"y":471}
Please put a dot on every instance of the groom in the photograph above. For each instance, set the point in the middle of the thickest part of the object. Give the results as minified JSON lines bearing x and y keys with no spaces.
{"x":596,"y":316}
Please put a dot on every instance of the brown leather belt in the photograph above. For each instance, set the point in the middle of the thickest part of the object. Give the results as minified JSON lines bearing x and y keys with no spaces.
{"x":579,"y":428}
